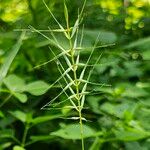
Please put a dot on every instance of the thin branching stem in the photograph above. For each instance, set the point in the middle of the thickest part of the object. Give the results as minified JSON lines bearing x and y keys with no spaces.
{"x":76,"y":86}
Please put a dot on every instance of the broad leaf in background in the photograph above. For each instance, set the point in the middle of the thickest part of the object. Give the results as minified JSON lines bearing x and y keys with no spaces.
{"x":141,"y":43}
{"x":27,"y":117}
{"x":134,"y":145}
{"x":7,"y":133}
{"x":19,"y":115}
{"x":37,"y":88}
{"x":17,"y":147}
{"x":133,"y":91}
{"x":119,"y":110}
{"x":5,"y":145}
{"x":41,"y":119}
{"x":131,"y":134}
{"x":17,"y":87}
{"x":72,"y":131}
{"x":21,"y":97}
{"x":14,"y":83}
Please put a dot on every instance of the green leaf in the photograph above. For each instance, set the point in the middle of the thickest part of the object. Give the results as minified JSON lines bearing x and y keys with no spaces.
{"x":96,"y":144}
{"x":119,"y":110}
{"x":6,"y":133}
{"x":6,"y":121}
{"x":9,"y":59}
{"x":60,"y":26}
{"x":1,"y":114}
{"x":134,"y":92}
{"x":37,"y":88}
{"x":131,"y":134}
{"x":5,"y":145}
{"x":143,"y":116}
{"x":16,"y":147}
{"x":19,"y":115}
{"x":133,"y":145}
{"x":146,"y":55}
{"x":14,"y":83}
{"x":144,"y":43}
{"x":21,"y":97}
{"x":72,"y":131}
{"x":66,"y":13}
{"x":44,"y":118}
{"x":41,"y":138}
{"x":75,"y":27}
{"x":94,"y":103}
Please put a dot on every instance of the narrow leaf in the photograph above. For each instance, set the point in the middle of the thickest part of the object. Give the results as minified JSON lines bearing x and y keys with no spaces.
{"x":61,"y":27}
{"x":45,"y":118}
{"x":66,"y":13}
{"x":75,"y":27}
{"x":9,"y":59}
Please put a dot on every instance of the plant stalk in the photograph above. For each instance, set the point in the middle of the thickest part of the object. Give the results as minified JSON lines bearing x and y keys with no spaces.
{"x":25,"y":135}
{"x":77,"y":90}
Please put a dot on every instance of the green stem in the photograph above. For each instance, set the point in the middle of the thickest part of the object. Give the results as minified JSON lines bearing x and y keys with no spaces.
{"x":77,"y":89}
{"x":81,"y":127}
{"x":25,"y":135}
{"x":5,"y":101}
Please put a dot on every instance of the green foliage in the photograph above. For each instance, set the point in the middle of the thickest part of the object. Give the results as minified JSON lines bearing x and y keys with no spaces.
{"x":115,"y":113}
{"x":72,"y":131}
{"x":18,"y":148}
{"x":17,"y":87}
{"x":10,"y":58}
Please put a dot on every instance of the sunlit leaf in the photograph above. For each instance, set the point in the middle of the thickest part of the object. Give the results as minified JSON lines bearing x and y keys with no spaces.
{"x":14,"y":83}
{"x":21,"y":97}
{"x":37,"y":88}
{"x":19,"y":115}
{"x":73,"y":132}
{"x":18,"y":148}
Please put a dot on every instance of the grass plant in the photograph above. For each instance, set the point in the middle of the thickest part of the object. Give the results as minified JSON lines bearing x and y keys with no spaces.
{"x":72,"y":72}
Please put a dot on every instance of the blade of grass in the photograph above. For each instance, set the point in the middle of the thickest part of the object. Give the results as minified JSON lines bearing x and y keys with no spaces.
{"x":61,"y":27}
{"x":9,"y":59}
{"x":71,"y":90}
{"x":83,"y":71}
{"x":64,"y":89}
{"x":55,"y":58}
{"x":55,"y":42}
{"x":85,"y":86}
{"x":68,"y":76}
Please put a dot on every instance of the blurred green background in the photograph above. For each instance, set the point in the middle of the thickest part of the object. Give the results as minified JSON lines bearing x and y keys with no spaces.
{"x":118,"y":115}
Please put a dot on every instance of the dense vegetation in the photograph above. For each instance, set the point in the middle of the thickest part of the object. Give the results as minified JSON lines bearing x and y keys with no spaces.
{"x":114,"y":35}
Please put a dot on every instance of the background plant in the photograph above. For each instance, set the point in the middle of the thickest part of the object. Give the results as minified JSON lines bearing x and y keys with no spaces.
{"x":120,"y":125}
